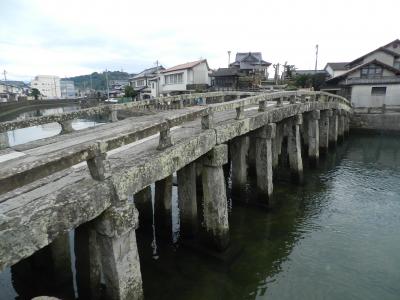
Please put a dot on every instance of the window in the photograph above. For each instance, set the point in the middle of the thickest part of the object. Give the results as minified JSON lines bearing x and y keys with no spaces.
{"x":397,"y":64}
{"x":371,"y":71}
{"x":378,"y":90}
{"x":174,"y":78}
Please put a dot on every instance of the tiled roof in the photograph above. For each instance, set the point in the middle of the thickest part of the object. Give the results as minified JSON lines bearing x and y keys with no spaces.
{"x":225,"y":72}
{"x":148,"y":72}
{"x":336,"y":66}
{"x":184,"y":66}
{"x":256,"y":57}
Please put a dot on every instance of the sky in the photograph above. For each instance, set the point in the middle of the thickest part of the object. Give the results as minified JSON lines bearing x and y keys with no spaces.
{"x":76,"y":37}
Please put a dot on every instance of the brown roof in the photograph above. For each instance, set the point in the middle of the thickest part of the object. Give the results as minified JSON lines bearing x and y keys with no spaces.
{"x":377,"y":62}
{"x":184,"y":66}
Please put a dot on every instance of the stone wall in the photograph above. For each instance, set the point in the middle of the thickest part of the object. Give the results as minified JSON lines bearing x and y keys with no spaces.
{"x":389,"y":122}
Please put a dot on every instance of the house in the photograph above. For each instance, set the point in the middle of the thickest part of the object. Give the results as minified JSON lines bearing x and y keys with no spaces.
{"x":251,"y":63}
{"x":141,"y":82}
{"x":371,"y":80}
{"x":225,"y":79}
{"x":13,"y":91}
{"x":48,"y":85}
{"x":187,"y":77}
{"x":336,"y":68}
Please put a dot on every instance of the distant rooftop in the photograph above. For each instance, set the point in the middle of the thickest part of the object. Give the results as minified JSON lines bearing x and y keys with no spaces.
{"x":254,"y":58}
{"x":184,"y":66}
{"x":148,"y":72}
{"x":337,"y":66}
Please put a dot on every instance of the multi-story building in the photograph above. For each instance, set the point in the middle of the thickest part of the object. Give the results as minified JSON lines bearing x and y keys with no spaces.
{"x":251,"y":63}
{"x":143,"y":82}
{"x":67,"y":89}
{"x":371,"y":80}
{"x":48,"y":85}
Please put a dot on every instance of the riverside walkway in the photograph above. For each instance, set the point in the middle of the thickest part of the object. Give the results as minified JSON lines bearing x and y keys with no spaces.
{"x":84,"y":180}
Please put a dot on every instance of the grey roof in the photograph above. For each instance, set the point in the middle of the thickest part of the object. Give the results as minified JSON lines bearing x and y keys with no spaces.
{"x":225,"y":72}
{"x":337,"y":66}
{"x":306,"y":72}
{"x":249,"y":57}
{"x":148,"y":72}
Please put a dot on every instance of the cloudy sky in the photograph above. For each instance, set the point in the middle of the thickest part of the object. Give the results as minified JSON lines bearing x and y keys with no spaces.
{"x":73,"y":37}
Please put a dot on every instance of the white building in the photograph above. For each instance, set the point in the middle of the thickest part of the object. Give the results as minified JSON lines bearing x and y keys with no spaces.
{"x":67,"y":89}
{"x":371,"y":80}
{"x":336,"y":69}
{"x":142,"y":82}
{"x":48,"y":85}
{"x":192,"y":76}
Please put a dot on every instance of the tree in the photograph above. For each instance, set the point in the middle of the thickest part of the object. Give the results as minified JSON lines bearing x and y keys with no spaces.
{"x":35,"y":93}
{"x":310,"y":80}
{"x":130,"y":91}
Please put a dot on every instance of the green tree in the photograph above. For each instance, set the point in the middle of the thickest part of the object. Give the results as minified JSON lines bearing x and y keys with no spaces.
{"x":129,"y":91}
{"x":35,"y":93}
{"x":310,"y":80}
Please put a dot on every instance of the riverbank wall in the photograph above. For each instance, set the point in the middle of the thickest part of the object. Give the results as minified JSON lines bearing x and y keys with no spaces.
{"x":376,"y":122}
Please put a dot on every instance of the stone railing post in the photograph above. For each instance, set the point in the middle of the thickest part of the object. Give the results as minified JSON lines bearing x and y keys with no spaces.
{"x":279,"y":102}
{"x":215,"y":203}
{"x":113,"y":114}
{"x":294,"y":148}
{"x":324,"y":130}
{"x":313,"y":136}
{"x":262,"y":106}
{"x":187,"y":200}
{"x":66,"y":127}
{"x":4,"y":141}
{"x":264,"y":161}
{"x":165,"y":140}
{"x":239,"y":112}
{"x":207,"y":121}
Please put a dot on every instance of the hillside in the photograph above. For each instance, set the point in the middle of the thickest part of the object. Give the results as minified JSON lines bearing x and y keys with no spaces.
{"x":97,"y":81}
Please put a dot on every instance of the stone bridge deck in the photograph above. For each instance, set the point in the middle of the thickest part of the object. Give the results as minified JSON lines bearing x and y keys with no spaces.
{"x":48,"y":189}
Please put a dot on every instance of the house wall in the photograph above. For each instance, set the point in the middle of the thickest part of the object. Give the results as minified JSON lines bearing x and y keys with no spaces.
{"x":394,"y":48}
{"x":200,"y":74}
{"x":361,"y":95}
{"x":166,"y":88}
{"x":357,"y":74}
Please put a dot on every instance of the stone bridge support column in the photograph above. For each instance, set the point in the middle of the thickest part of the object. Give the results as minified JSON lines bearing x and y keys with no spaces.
{"x":340,"y":125}
{"x":187,"y":200}
{"x":277,"y":145}
{"x":119,"y":255}
{"x":333,"y":128}
{"x":66,"y":127}
{"x":239,"y":148}
{"x":313,"y":136}
{"x":294,"y":148}
{"x":324,"y":130}
{"x":215,"y":203}
{"x":163,"y":207}
{"x":264,"y":161}
{"x":347,"y":123}
{"x":144,"y":204}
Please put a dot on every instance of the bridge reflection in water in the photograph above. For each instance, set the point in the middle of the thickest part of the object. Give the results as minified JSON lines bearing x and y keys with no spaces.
{"x":99,"y":206}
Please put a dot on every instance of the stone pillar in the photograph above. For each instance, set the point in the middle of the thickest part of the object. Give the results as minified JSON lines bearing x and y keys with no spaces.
{"x":239,"y":148}
{"x":113,"y":114}
{"x":87,"y":262}
{"x":119,"y":255}
{"x":277,"y":145}
{"x":163,"y":207}
{"x":4,"y":141}
{"x":294,"y":148}
{"x":187,"y":200}
{"x":66,"y":127}
{"x":144,"y":204}
{"x":313,"y":136}
{"x":333,"y":128}
{"x":251,"y":154}
{"x":264,"y":161}
{"x":340,"y":125}
{"x":215,"y":203}
{"x":324,"y":131}
{"x":165,"y":140}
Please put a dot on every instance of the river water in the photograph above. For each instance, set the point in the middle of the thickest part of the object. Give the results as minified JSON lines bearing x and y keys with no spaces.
{"x":334,"y":237}
{"x":25,"y":135}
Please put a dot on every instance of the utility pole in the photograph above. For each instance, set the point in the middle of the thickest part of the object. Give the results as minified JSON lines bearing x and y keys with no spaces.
{"x":5,"y":80}
{"x":108,"y":90}
{"x":229,"y":58}
{"x":316,"y":58}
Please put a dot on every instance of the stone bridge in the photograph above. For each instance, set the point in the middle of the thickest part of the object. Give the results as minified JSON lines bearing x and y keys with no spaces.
{"x":97,"y":181}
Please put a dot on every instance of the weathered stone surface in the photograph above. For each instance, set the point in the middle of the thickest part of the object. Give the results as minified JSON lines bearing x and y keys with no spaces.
{"x":144,"y":204}
{"x":294,"y":151}
{"x":264,"y":162}
{"x":324,"y":130}
{"x":163,"y":207}
{"x":215,"y":204}
{"x":187,"y":200}
{"x":239,"y":148}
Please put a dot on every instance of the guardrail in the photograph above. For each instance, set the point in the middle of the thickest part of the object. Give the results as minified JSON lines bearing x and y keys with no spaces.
{"x":171,"y":102}
{"x":26,"y":172}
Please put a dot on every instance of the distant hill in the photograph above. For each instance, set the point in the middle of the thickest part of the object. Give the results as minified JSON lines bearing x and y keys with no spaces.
{"x":97,"y":81}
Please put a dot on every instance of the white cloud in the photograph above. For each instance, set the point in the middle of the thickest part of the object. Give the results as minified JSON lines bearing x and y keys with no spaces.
{"x":76,"y":36}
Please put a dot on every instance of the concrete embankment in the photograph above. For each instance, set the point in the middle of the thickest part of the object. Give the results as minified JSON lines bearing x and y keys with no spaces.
{"x":387,"y":122}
